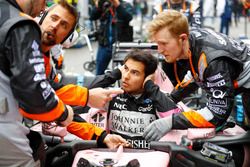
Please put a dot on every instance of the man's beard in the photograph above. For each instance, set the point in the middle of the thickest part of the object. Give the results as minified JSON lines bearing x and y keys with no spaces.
{"x":48,"y":41}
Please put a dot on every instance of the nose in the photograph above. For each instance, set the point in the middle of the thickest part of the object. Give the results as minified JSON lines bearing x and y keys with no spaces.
{"x":126,"y":75}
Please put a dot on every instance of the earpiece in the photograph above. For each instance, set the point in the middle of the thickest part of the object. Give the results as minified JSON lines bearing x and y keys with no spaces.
{"x":70,"y":40}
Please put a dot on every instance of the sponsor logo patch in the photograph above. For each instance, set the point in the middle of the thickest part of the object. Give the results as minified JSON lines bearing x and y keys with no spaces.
{"x":218,"y":93}
{"x":120,"y":106}
{"x":217,"y":110}
{"x":216,"y":84}
{"x":43,"y":85}
{"x":36,"y":60}
{"x":47,"y":92}
{"x":217,"y":102}
{"x":36,"y":52}
{"x":98,"y":120}
{"x":121,"y":99}
{"x":214,"y":77}
{"x":39,"y":68}
{"x":146,"y":109}
{"x":39,"y":77}
{"x":139,"y":143}
{"x":129,"y":123}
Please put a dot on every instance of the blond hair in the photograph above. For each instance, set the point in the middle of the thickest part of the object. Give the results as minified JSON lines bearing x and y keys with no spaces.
{"x":175,"y":21}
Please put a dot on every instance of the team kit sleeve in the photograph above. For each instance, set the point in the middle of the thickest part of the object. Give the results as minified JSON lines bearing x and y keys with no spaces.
{"x":73,"y":95}
{"x":87,"y":131}
{"x":37,"y":100}
{"x":219,"y":87}
{"x":106,"y":80}
{"x":162,"y":101}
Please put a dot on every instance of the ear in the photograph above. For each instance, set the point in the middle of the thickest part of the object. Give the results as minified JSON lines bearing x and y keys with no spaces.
{"x":185,"y":42}
{"x":183,"y":37}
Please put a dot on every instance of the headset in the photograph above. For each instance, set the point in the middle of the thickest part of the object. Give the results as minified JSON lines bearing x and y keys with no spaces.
{"x":72,"y":35}
{"x":70,"y":40}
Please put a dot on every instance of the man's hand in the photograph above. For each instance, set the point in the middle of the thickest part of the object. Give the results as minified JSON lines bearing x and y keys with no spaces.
{"x":69,"y":118}
{"x":114,"y":141}
{"x":98,"y":97}
{"x":158,"y":128}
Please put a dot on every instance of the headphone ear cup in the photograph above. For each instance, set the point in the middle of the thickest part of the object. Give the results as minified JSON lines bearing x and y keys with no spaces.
{"x":70,"y":40}
{"x":68,"y":36}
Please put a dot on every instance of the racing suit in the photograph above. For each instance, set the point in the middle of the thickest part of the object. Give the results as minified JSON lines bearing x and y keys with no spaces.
{"x":128,"y":115}
{"x":24,"y":89}
{"x":74,"y":95}
{"x":221,"y":66}
{"x":57,"y":56}
{"x":189,"y":8}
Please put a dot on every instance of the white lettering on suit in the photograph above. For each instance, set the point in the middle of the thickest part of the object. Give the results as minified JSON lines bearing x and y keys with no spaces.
{"x":129,"y":123}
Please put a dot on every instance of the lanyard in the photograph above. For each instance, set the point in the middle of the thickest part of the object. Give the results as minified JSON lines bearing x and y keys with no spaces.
{"x":183,"y":83}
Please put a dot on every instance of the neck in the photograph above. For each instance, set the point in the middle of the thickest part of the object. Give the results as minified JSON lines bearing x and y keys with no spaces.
{"x":185,"y":50}
{"x":137,"y":93}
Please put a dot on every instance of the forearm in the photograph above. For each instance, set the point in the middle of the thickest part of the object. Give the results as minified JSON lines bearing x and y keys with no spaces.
{"x":106,"y":80}
{"x":162,"y":101}
{"x":73,"y":95}
{"x":88,"y":131}
{"x":178,"y":94}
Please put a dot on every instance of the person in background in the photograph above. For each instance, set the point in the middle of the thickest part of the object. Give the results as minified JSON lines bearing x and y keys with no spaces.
{"x":191,"y":9}
{"x":209,"y":11}
{"x":55,"y":26}
{"x":236,"y":9}
{"x":142,"y":101}
{"x":114,"y":16}
{"x":225,"y":14}
{"x":218,"y":64}
{"x":246,"y":8}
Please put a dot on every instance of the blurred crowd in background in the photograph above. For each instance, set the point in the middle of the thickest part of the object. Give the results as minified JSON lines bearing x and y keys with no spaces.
{"x":144,"y":10}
